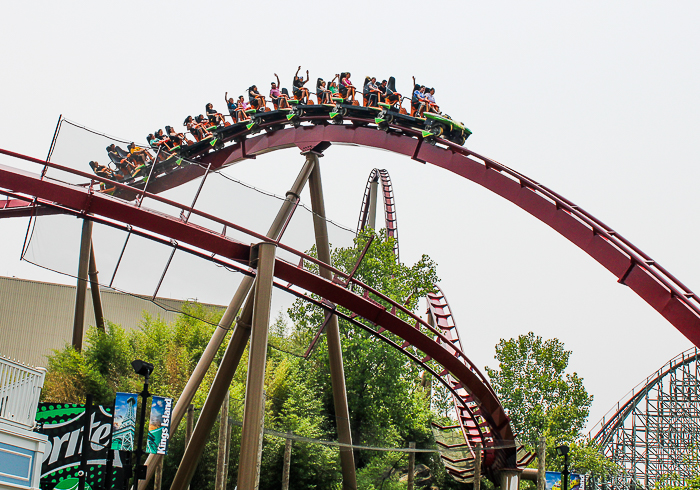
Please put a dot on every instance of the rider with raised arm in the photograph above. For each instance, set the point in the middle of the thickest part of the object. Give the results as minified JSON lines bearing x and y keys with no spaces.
{"x":333,"y":86}
{"x":300,"y":92}
{"x":279,"y":100}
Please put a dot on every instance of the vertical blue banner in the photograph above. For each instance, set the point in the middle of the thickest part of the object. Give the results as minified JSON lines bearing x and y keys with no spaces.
{"x":124,"y":424}
{"x":553,"y":481}
{"x":159,"y":425}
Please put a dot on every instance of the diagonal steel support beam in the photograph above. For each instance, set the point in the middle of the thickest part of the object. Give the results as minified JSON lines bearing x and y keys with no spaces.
{"x":95,"y":290}
{"x":81,"y":287}
{"x":335,"y":353}
{"x":240,"y":336}
{"x":251,"y":435}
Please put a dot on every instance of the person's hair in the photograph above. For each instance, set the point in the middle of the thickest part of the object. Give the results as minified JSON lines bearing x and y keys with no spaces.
{"x":150,"y":137}
{"x":210,"y":105}
{"x":187,"y":119}
{"x":383,"y":82}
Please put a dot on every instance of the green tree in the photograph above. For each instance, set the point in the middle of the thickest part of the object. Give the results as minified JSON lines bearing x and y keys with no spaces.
{"x":542,"y":399}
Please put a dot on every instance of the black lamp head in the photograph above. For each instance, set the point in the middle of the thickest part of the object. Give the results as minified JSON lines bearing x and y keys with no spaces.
{"x":562,"y":450}
{"x":142,"y":368}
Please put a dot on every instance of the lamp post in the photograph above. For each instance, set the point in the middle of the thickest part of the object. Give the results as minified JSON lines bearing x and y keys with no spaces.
{"x":564,"y":451}
{"x":142,"y":368}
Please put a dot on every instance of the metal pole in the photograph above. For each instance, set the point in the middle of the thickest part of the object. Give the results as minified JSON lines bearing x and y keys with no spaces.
{"x":411,"y":466}
{"x":220,"y":483}
{"x":110,"y":458}
{"x":189,"y":428}
{"x":477,"y":467}
{"x":541,"y":461}
{"x":227,"y":319}
{"x":142,"y":421}
{"x":254,"y":401}
{"x":287,"y":461}
{"x":335,"y":353}
{"x":158,"y":481}
{"x":229,"y":424}
{"x":81,"y":287}
{"x":85,"y":446}
{"x":565,"y":473}
{"x":372,"y":221}
{"x":258,"y":464}
{"x":95,"y":290}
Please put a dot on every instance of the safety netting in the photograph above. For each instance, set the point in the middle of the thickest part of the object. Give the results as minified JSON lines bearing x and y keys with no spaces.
{"x":155,"y":268}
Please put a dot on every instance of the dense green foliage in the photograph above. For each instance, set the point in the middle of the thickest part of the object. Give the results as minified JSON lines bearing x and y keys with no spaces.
{"x":543,"y":400}
{"x":388,"y":406}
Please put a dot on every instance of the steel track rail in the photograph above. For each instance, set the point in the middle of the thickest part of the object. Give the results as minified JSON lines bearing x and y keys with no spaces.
{"x":633,"y":268}
{"x":390,"y":222}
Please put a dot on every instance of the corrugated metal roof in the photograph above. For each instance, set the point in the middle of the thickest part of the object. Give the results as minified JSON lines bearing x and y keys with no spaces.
{"x":37,"y":317}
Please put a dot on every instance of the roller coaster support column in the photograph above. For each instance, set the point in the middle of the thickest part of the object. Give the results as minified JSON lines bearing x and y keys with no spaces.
{"x":411,"y":466}
{"x":95,"y":290}
{"x":232,"y":356}
{"x":541,"y":473}
{"x":372,"y":220}
{"x":81,"y":287}
{"x":251,"y":435}
{"x":510,"y":479}
{"x":477,"y":467}
{"x":335,"y":353}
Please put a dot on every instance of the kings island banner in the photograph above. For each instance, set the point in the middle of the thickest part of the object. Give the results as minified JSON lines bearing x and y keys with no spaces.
{"x":159,"y":425}
{"x":63,"y":424}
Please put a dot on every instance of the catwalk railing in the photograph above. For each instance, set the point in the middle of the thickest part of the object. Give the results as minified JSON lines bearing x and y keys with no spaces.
{"x":20,"y":388}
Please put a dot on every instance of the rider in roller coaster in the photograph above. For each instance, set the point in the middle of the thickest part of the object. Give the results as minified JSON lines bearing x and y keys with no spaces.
{"x":215,"y":118}
{"x":346,"y":88}
{"x":256,"y":99}
{"x":300,"y":92}
{"x":279,"y":99}
{"x":323,"y":94}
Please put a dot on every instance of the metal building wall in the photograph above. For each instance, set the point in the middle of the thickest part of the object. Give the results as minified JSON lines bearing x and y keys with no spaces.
{"x":37,"y":317}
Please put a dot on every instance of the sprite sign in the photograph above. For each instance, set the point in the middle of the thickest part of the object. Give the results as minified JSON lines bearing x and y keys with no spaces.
{"x":63,"y":424}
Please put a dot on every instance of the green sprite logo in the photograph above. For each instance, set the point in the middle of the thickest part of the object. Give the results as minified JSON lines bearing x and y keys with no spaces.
{"x":70,"y":484}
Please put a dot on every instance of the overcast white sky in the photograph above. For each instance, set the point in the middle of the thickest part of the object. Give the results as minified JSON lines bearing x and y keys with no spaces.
{"x":597,"y":100}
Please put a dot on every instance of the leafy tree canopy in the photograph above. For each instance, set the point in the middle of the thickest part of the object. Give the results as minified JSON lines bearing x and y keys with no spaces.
{"x":542,"y":399}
